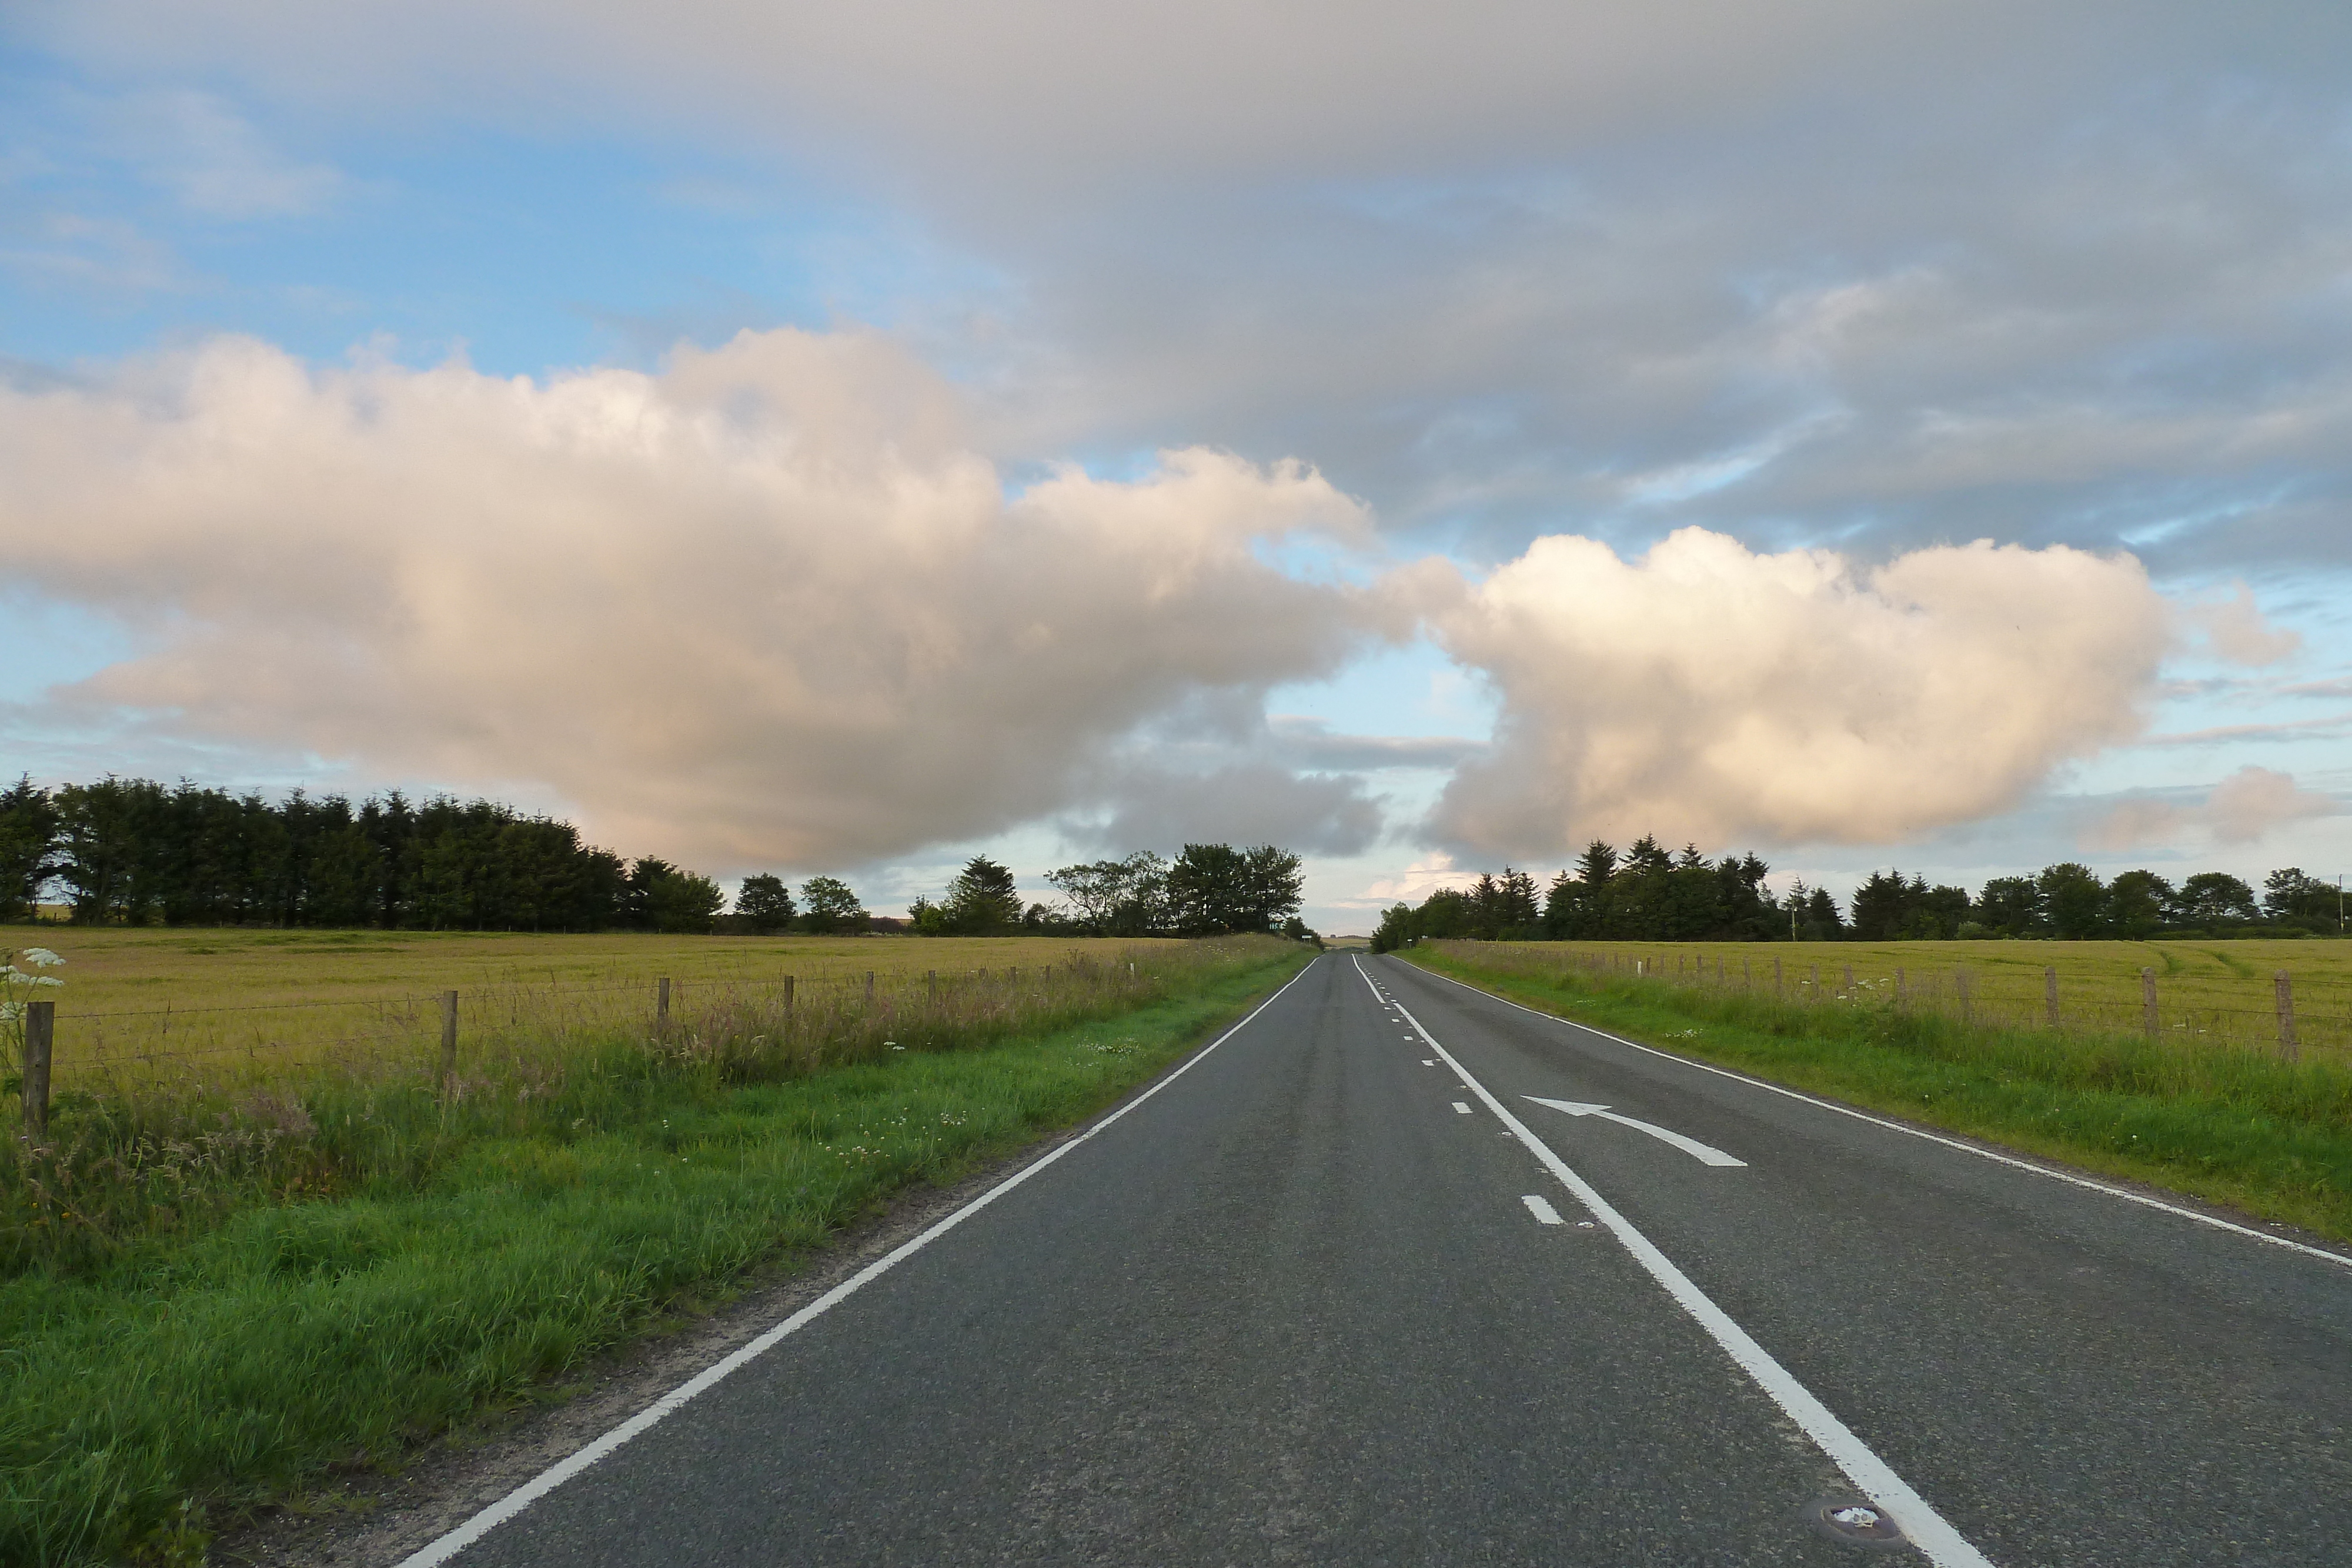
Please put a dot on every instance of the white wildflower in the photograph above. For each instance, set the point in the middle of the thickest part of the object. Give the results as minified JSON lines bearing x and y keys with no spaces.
{"x":42,"y":959}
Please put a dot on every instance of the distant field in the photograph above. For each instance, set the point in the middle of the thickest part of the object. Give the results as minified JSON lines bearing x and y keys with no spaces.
{"x":156,"y":1002}
{"x":2218,"y":991}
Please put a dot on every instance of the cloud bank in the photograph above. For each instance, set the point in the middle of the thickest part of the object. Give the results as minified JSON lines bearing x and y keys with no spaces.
{"x":1704,"y":691}
{"x":766,"y":607}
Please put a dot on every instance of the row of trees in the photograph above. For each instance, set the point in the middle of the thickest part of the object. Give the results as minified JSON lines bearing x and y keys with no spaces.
{"x":133,"y":851}
{"x":1649,"y":893}
{"x":1207,"y":890}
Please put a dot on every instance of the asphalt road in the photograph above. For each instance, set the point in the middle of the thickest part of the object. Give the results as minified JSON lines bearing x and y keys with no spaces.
{"x":1298,"y":1307}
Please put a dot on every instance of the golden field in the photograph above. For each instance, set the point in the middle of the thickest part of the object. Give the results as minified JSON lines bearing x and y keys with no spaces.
{"x":161,"y":1002}
{"x":2220,"y":991}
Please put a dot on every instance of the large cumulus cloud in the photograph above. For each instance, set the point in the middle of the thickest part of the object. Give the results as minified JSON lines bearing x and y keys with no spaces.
{"x":767,"y":606}
{"x":1707,"y":692}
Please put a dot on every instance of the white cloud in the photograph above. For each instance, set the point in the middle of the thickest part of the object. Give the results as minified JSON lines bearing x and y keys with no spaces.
{"x":2235,"y":629}
{"x":213,"y":158}
{"x":2243,"y":809}
{"x":766,"y":607}
{"x":1707,"y":691}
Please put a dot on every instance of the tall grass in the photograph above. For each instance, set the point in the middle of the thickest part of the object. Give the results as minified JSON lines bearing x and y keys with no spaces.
{"x":163,"y":1373}
{"x":2223,"y":1122}
{"x":138,"y":1149}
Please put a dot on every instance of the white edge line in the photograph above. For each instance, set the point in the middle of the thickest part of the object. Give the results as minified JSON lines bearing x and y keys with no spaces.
{"x":1925,"y":1528}
{"x":2010,"y":1160}
{"x":547,"y":1480}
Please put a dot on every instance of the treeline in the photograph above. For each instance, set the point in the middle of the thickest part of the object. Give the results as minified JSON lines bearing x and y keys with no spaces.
{"x":1651,"y":894}
{"x":1207,"y":890}
{"x":130,"y":852}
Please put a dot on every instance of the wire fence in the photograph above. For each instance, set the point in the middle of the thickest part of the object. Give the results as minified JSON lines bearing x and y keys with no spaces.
{"x":147,"y":1047}
{"x":2273,"y":1012}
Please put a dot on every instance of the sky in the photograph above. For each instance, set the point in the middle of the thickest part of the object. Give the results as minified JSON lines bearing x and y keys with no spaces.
{"x":849,"y":439}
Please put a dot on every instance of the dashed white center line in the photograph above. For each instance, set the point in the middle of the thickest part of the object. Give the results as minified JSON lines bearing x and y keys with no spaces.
{"x":1545,"y":1213}
{"x":1428,"y":1061}
{"x":1461,"y":1107}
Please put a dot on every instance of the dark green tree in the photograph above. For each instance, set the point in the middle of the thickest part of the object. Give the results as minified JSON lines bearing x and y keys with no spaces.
{"x":28,"y":834}
{"x":831,"y":908}
{"x":982,"y":901}
{"x":764,"y":905}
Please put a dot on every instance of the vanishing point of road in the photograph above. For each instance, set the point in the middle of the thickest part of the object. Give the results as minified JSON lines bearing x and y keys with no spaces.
{"x":1397,"y":1272}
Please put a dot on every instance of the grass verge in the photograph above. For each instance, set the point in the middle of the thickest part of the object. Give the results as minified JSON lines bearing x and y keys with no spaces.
{"x":2233,"y":1127}
{"x":218,"y":1370}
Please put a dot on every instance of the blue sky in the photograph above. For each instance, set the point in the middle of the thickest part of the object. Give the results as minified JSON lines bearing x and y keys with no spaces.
{"x":1828,"y":284}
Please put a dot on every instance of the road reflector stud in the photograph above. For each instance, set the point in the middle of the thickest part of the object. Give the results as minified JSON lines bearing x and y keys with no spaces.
{"x":1854,"y":1522}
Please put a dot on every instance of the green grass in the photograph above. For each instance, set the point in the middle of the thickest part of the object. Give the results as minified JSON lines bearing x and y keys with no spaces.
{"x":217,"y":1369}
{"x":2231,"y":1125}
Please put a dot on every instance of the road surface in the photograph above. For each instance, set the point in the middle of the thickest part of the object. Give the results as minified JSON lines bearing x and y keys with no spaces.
{"x":1400,"y":1273}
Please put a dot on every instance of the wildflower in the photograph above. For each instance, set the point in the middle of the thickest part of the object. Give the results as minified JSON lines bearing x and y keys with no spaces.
{"x":41,"y":959}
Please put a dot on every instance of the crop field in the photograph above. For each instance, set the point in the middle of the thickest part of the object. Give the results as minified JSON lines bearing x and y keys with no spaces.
{"x":142,"y":1006}
{"x":2203,"y":992}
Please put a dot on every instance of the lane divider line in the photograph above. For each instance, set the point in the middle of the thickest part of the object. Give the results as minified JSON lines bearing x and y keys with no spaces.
{"x":2338,"y":1259}
{"x":474,"y":1529}
{"x":1544,"y":1212}
{"x":1920,"y":1524}
{"x":1459,"y":1106}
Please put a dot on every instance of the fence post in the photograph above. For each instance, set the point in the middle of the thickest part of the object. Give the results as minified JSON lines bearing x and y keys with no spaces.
{"x":1849,"y":980}
{"x":1817,"y":983}
{"x":449,"y":1043}
{"x":2147,"y":1003}
{"x":932,"y":987}
{"x":661,"y":1004}
{"x":2050,"y":994}
{"x":40,"y":1040}
{"x":869,"y":987}
{"x":1960,"y":979}
{"x":1901,"y":999}
{"x":788,"y":993}
{"x":2284,"y":988}
{"x":1775,"y":978}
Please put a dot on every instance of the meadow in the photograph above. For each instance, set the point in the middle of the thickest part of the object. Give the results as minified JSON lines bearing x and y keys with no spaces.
{"x":198,"y":1269}
{"x":2203,"y":991}
{"x":152,"y":1007}
{"x":1957,"y":1036}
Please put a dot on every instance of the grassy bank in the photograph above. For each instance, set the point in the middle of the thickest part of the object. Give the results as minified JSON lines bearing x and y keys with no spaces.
{"x":2232,"y":1125}
{"x":217,"y":1363}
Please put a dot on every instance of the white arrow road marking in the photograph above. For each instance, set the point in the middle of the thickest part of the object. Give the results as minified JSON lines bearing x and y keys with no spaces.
{"x":1691,"y":1147}
{"x":1927,"y":1530}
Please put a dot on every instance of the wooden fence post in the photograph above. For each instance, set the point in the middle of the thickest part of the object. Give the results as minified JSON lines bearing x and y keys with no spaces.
{"x":1900,"y":999}
{"x":2149,"y":1018}
{"x":661,"y":1004}
{"x":449,"y":1043}
{"x":788,"y":993}
{"x":1776,"y":978}
{"x":40,"y":1041}
{"x":932,"y":987}
{"x":1849,"y":980}
{"x":2284,"y":990}
{"x":869,"y":987}
{"x":1960,"y":979}
{"x":2050,"y":994}
{"x":1817,"y":983}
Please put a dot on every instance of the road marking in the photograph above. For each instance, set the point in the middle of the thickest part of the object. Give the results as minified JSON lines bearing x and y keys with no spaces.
{"x":442,"y":1549}
{"x":1544,"y":1212}
{"x":1429,"y":1062}
{"x":1925,"y":1529}
{"x":2340,"y":1259}
{"x":1461,"y":1107}
{"x":1691,"y":1147}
